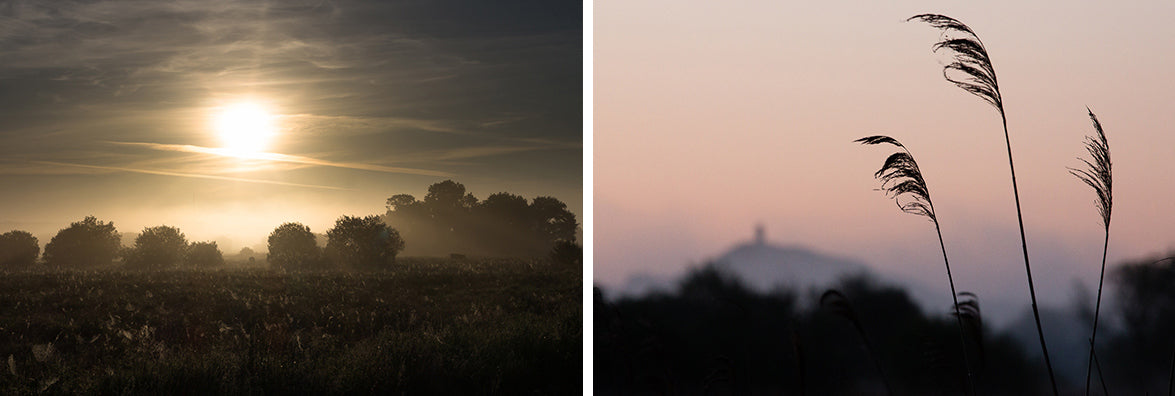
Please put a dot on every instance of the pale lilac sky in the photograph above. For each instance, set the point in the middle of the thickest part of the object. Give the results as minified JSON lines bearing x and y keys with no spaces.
{"x":713,"y":116}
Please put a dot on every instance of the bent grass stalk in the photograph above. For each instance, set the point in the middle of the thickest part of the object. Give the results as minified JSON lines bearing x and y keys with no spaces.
{"x":900,"y":177}
{"x":1100,"y":178}
{"x":972,"y":71}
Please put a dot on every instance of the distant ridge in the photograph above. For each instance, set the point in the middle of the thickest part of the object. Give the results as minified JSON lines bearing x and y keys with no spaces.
{"x":763,"y":266}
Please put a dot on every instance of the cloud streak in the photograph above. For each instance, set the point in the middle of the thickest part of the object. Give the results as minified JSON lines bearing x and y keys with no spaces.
{"x":190,"y":175}
{"x":276,"y":157}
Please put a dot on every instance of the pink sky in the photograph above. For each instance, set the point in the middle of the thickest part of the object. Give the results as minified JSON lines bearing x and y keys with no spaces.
{"x":711,"y":117}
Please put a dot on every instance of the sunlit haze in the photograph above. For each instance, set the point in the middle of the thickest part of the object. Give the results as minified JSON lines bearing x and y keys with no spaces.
{"x":228,"y":118}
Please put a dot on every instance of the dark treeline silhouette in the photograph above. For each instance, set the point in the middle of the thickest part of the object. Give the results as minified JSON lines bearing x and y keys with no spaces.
{"x":447,"y":222}
{"x":450,"y":220}
{"x":714,"y":336}
{"x":1140,"y":357}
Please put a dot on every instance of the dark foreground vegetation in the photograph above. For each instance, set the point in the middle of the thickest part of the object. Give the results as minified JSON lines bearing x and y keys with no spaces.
{"x":428,"y":326}
{"x":714,"y":336}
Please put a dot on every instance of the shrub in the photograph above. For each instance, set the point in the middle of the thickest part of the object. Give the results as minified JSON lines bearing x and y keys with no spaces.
{"x":292,"y":247}
{"x":85,"y":244}
{"x":365,"y":243}
{"x":160,"y":247}
{"x":18,"y":250}
{"x":204,"y":255}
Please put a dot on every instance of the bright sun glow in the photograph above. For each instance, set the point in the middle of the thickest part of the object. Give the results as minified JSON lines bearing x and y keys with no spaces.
{"x":244,"y":128}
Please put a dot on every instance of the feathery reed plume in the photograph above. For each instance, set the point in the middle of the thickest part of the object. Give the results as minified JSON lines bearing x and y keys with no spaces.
{"x":900,"y":177}
{"x":972,"y":71}
{"x":968,"y":311}
{"x":1100,"y":177}
{"x":836,"y":302}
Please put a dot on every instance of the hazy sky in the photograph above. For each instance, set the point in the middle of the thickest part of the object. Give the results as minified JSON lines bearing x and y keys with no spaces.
{"x":713,"y":116}
{"x":111,"y":108}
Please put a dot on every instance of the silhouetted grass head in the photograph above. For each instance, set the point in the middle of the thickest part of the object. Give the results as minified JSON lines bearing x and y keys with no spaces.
{"x":971,"y":69}
{"x":1099,"y":175}
{"x":968,"y":311}
{"x":902,"y":180}
{"x":835,"y":302}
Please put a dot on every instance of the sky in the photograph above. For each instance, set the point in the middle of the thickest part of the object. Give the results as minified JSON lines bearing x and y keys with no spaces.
{"x":712,"y":117}
{"x":117,"y":109}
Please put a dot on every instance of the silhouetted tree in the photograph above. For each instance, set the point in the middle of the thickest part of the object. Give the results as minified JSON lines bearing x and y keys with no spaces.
{"x":449,"y":206}
{"x":204,"y":255}
{"x":160,"y":247}
{"x":365,"y":243}
{"x":450,"y":220}
{"x":446,"y":194}
{"x":292,"y":247}
{"x":83,"y":245}
{"x":18,"y":250}
{"x":400,"y":201}
{"x":551,"y":220}
{"x":501,"y":226}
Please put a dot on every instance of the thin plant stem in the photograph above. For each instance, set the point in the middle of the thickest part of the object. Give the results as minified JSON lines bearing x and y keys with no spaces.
{"x":1099,"y":176}
{"x":1027,"y":267}
{"x":972,"y":71}
{"x":899,"y":177}
{"x":1171,"y":380}
{"x":1096,"y":311}
{"x":958,"y":315}
{"x":1100,"y":377}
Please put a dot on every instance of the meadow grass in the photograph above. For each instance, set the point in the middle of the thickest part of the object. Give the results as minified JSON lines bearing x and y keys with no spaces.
{"x":478,"y":326}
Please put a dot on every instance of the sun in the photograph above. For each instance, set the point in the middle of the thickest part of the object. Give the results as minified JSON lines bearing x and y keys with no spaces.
{"x":244,"y":128}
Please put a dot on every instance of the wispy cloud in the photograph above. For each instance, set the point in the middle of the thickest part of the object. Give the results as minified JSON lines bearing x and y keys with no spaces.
{"x":475,"y":152}
{"x":381,"y":94}
{"x":276,"y":157}
{"x":191,"y":175}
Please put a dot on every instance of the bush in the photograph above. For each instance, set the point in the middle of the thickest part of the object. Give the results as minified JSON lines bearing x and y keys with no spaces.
{"x":18,"y":250}
{"x":363,"y":243}
{"x":204,"y":255}
{"x":160,"y":247}
{"x":85,"y":244}
{"x":292,"y":247}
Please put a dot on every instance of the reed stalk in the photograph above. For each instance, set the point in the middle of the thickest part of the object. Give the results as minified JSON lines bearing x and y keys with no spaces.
{"x":901,"y":179}
{"x":972,"y":71}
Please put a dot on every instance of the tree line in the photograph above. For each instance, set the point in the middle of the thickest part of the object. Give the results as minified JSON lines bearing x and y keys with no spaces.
{"x":712,"y":333}
{"x":447,"y":221}
{"x":354,"y":243}
{"x":450,"y":220}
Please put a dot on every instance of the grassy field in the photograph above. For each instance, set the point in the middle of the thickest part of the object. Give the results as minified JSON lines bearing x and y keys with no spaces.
{"x":431,"y":326}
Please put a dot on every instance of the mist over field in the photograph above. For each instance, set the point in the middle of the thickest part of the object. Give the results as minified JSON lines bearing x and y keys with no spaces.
{"x":296,"y":197}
